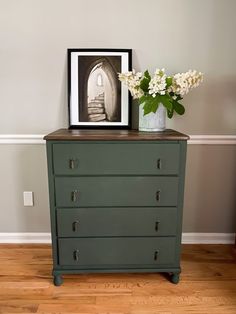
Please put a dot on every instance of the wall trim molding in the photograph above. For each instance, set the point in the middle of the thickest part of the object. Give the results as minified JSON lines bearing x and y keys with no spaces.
{"x":212,"y":139}
{"x":187,"y":238}
{"x":194,"y":139}
{"x":22,"y":139}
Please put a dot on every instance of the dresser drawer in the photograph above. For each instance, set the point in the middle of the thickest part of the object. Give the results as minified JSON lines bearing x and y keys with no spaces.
{"x":105,"y":252}
{"x":115,"y":158}
{"x":105,"y":222}
{"x":116,"y":191}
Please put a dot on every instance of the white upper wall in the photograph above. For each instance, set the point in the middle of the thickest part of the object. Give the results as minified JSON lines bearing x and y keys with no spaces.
{"x":176,"y":35}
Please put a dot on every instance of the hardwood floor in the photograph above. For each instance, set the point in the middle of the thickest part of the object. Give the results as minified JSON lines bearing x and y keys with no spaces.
{"x":207,"y":285}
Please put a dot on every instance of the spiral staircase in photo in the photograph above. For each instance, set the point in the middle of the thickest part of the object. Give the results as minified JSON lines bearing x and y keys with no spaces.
{"x":96,"y":109}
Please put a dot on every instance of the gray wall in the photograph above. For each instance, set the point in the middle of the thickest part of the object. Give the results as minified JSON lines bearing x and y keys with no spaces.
{"x":177,"y":35}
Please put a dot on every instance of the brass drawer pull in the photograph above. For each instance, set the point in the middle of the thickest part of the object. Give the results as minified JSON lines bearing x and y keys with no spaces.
{"x":73,"y":163}
{"x":76,"y":255}
{"x":156,"y":253}
{"x":75,"y":224}
{"x":157,"y":225}
{"x":158,"y":195}
{"x":74,"y":195}
{"x":159,"y":163}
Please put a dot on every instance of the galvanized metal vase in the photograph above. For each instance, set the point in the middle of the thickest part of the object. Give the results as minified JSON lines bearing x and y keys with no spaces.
{"x":152,"y":122}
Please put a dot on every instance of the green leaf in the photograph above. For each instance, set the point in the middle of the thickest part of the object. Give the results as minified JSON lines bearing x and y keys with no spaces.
{"x":170,"y":113}
{"x":150,"y":104}
{"x":168,"y":81}
{"x":166,"y":101}
{"x":142,"y":99}
{"x":144,"y":84}
{"x":155,"y":105}
{"x":178,"y":107}
{"x":147,"y":108}
{"x":145,"y":81}
{"x":147,"y":75}
{"x":179,"y":98}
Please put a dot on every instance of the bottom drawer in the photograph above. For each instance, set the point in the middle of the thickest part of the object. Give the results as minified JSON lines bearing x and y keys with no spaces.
{"x":105,"y":252}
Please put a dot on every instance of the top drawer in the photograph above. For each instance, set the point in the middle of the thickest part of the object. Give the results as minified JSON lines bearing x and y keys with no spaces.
{"x":115,"y":158}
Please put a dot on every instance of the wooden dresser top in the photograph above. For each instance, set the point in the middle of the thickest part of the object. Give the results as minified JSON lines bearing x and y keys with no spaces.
{"x":114,"y":135}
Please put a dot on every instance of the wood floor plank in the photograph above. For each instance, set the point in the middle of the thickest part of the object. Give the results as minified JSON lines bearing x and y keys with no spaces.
{"x":207,"y":285}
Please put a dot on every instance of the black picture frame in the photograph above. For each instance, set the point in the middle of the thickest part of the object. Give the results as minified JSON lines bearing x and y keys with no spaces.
{"x":96,"y":98}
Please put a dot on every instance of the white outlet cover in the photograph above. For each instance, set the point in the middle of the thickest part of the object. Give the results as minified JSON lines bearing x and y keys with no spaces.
{"x":28,"y":198}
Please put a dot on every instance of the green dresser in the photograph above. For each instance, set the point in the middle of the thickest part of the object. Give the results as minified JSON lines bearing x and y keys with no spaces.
{"x":116,"y":199}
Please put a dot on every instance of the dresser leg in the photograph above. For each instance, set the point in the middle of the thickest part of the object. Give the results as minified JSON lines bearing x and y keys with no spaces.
{"x":57,"y":280}
{"x":174,"y":278}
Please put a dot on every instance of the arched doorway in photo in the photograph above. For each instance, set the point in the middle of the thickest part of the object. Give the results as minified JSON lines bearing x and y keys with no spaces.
{"x":101,"y":91}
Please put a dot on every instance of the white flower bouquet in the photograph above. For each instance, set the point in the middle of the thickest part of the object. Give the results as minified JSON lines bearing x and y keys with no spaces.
{"x":168,"y":90}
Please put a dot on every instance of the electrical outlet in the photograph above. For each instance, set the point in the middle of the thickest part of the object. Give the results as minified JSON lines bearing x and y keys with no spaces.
{"x":28,"y":198}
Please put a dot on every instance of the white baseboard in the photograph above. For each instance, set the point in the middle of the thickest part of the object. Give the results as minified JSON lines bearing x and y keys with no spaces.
{"x":25,"y":237}
{"x":208,"y":238}
{"x":187,"y":238}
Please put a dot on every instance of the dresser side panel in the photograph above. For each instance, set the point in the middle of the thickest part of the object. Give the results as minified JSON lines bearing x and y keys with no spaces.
{"x":51,"y":186}
{"x":183,"y":152}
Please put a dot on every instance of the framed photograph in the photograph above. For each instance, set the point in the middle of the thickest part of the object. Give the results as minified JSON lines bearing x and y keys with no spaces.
{"x":97,"y":99}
